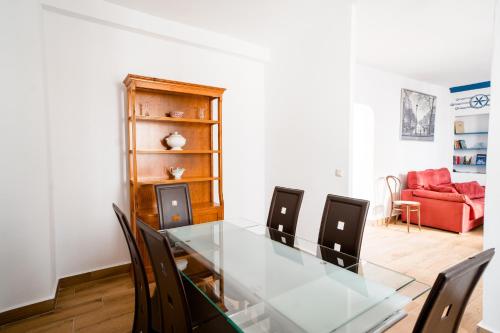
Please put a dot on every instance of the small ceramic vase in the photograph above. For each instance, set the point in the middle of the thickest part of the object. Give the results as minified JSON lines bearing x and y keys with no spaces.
{"x":177,"y":172}
{"x":175,"y":141}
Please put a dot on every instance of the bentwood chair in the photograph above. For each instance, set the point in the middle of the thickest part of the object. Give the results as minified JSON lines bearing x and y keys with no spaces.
{"x":143,"y":313}
{"x":174,"y":205}
{"x":284,"y":209}
{"x":343,"y":223}
{"x":398,"y":205}
{"x":176,"y":315}
{"x":447,"y":300}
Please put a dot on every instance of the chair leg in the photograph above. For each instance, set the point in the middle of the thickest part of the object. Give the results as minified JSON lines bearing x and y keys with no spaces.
{"x":418,"y":211}
{"x":408,"y":217}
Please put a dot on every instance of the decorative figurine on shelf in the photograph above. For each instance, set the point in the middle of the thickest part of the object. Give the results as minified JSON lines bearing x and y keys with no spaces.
{"x":177,"y":172}
{"x":175,"y":114}
{"x":175,"y":141}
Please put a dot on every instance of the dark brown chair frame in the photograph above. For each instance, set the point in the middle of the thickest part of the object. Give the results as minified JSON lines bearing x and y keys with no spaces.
{"x":289,"y":229}
{"x":142,"y":305}
{"x":352,"y":245}
{"x":175,"y":316}
{"x":159,"y":195}
{"x":444,"y":307}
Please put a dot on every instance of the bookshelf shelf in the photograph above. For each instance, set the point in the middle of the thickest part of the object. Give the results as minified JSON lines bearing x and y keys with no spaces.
{"x":472,"y":133}
{"x":164,"y":151}
{"x":470,"y":165}
{"x":156,"y":181}
{"x":484,"y":148}
{"x":177,"y":120}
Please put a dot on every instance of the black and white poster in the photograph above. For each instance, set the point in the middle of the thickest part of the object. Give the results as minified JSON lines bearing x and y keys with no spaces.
{"x":418,"y":114}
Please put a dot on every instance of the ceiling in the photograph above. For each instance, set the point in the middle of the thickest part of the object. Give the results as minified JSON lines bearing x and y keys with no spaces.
{"x":446,"y":42}
{"x":256,"y":21}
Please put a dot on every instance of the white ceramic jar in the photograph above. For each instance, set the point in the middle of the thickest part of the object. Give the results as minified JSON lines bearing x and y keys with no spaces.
{"x":175,"y":141}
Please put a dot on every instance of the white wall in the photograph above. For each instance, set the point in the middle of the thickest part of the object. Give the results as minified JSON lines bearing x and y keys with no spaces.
{"x":308,"y":110}
{"x":491,"y":320}
{"x":26,"y":244}
{"x":72,"y":153}
{"x":89,"y":48}
{"x":381,"y":91}
{"x":88,"y":139}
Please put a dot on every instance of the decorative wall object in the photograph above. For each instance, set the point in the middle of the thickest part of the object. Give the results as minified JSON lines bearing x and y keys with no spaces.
{"x":418,"y":114}
{"x":473,"y":97}
{"x":470,"y":104}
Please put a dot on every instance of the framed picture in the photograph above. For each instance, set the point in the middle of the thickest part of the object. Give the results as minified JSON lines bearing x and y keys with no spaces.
{"x":481,"y":159}
{"x":418,"y":115}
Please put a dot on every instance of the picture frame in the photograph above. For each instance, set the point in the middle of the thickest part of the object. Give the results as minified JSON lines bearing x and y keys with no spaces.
{"x":418,"y":115}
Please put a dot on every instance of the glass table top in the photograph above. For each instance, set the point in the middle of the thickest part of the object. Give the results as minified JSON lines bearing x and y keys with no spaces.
{"x":263,"y":280}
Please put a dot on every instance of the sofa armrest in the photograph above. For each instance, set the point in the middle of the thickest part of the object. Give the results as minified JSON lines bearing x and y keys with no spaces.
{"x":407,"y":194}
{"x":454,"y":197}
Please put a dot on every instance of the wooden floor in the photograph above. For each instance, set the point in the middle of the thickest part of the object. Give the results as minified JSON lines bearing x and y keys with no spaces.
{"x":423,"y":254}
{"x":106,"y":305}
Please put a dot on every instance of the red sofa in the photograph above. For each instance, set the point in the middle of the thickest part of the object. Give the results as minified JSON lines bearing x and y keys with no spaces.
{"x":442,"y":206}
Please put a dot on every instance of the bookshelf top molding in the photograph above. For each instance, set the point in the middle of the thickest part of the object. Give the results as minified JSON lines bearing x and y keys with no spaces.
{"x":133,"y":81}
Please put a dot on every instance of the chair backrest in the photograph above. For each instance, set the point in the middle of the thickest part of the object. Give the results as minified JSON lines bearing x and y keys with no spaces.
{"x":447,"y":300}
{"x":394,"y":185}
{"x":142,"y":313}
{"x":174,"y":205}
{"x":284,"y":209}
{"x":175,"y":315}
{"x":343,"y":223}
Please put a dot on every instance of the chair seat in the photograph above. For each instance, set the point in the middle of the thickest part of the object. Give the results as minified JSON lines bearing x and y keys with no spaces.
{"x":406,"y":203}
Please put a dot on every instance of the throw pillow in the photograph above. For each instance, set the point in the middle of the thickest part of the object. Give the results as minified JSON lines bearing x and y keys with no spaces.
{"x":471,"y":189}
{"x":442,"y":188}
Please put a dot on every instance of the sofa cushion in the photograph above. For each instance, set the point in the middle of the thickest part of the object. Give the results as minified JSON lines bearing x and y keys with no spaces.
{"x":448,"y":188}
{"x":471,"y":189}
{"x":456,"y":197}
{"x":423,"y":179}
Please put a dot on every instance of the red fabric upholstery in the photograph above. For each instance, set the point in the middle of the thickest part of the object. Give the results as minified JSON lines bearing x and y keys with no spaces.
{"x":443,"y":188}
{"x":456,"y":197}
{"x":422,"y":179}
{"x":471,"y":189}
{"x":443,"y":210}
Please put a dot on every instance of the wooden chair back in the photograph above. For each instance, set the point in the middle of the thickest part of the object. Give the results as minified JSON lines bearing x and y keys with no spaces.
{"x":394,"y":185}
{"x":343,"y":223}
{"x":284,"y":209}
{"x":447,"y":300}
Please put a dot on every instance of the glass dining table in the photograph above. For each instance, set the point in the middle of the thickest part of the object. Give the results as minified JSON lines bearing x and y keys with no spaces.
{"x":263,"y":280}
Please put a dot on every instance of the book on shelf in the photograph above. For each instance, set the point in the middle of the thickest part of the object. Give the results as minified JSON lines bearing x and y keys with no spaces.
{"x":481,"y":159}
{"x":459,"y":127}
{"x":460,"y":144}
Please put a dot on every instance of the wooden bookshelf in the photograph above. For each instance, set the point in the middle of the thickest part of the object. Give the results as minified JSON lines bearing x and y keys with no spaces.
{"x":148,"y":103}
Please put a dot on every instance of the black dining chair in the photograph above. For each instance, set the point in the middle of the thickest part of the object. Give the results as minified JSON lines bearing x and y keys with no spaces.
{"x":343,"y":223}
{"x":444,"y":307}
{"x":176,"y":313}
{"x":284,"y":209}
{"x":174,"y":205}
{"x":143,"y":311}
